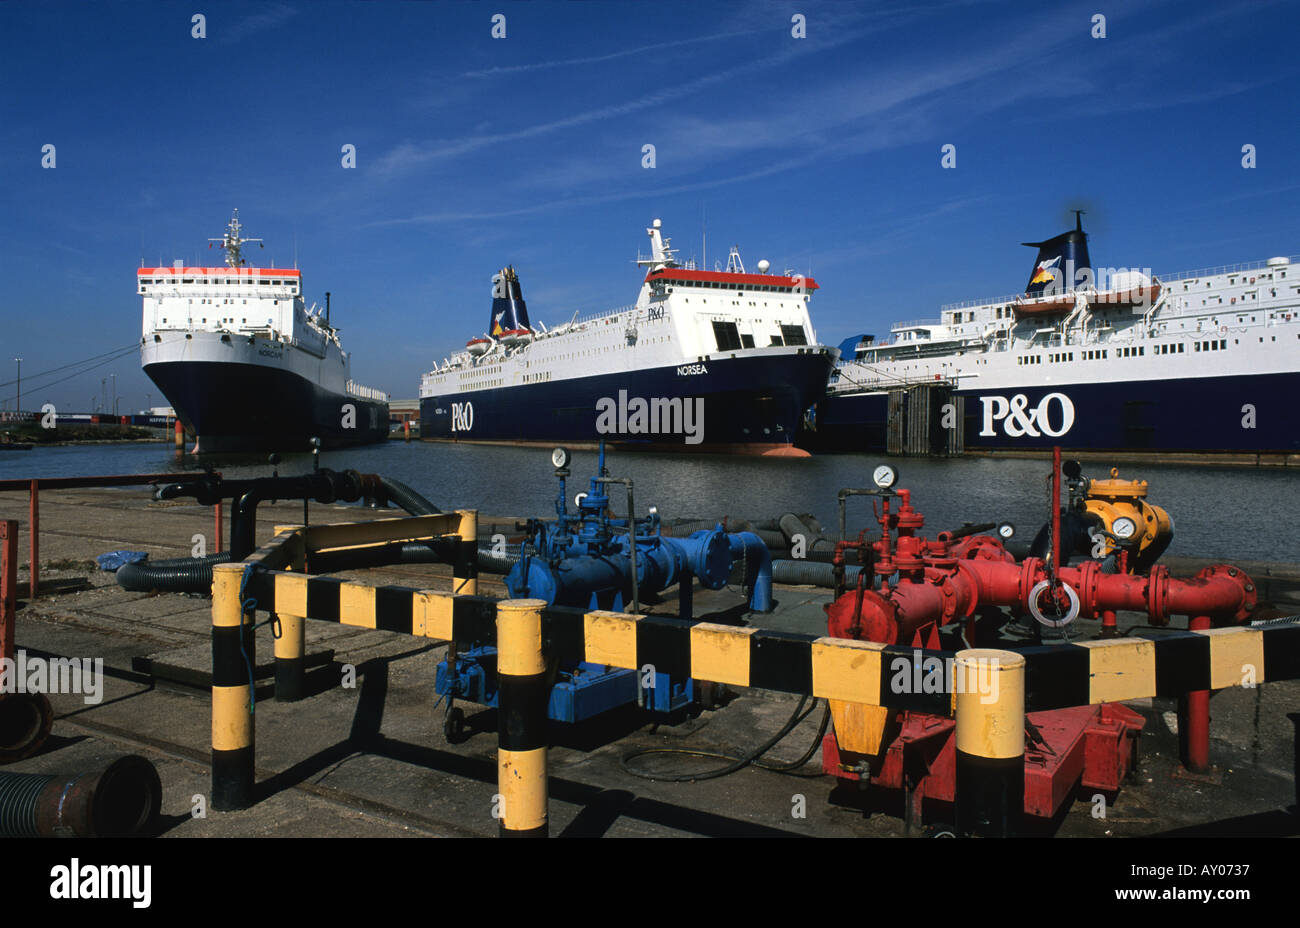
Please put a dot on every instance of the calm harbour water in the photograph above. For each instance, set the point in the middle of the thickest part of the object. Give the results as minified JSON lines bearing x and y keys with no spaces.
{"x":1219,"y":512}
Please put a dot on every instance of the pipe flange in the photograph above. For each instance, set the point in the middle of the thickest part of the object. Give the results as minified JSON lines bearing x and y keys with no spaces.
{"x":1071,"y":614}
{"x":1089,"y":578}
{"x":1158,"y":594}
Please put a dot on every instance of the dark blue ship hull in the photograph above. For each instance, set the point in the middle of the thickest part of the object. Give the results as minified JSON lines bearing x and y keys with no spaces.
{"x":250,"y":407}
{"x":1254,"y":414}
{"x":750,"y":405}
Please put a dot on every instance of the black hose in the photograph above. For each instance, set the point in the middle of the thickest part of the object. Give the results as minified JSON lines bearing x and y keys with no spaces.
{"x":739,"y":763}
{"x":173,"y":575}
{"x":407,"y":498}
{"x":194,"y":574}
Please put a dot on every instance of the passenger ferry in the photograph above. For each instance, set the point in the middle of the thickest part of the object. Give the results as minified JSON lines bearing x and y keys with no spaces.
{"x":245,"y":363}
{"x":704,"y":361}
{"x":1090,"y":359}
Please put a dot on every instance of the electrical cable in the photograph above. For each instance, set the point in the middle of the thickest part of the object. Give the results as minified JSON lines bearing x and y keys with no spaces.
{"x":55,"y":370}
{"x":739,"y":763}
{"x":87,"y":370}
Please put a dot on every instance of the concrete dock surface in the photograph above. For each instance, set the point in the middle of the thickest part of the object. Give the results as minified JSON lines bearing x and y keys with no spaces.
{"x":372,"y":760}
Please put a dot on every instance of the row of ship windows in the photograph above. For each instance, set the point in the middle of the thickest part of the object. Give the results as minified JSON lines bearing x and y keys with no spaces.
{"x":231,"y":319}
{"x":537,"y":378}
{"x":213,"y":302}
{"x":1101,"y":354}
{"x":728,"y":337}
{"x":718,"y":285}
{"x":1232,"y":280}
{"x":204,"y":280}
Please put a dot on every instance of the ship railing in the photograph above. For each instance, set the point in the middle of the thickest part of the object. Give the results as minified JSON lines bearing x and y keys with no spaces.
{"x":1224,"y":269}
{"x":604,"y":314}
{"x":361,"y":391}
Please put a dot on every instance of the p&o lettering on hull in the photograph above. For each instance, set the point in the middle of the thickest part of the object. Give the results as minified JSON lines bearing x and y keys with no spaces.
{"x":462,"y":417}
{"x":1018,"y":420}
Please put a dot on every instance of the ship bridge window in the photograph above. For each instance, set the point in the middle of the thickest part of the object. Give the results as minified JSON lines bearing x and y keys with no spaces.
{"x":726,"y":335}
{"x":794,"y":335}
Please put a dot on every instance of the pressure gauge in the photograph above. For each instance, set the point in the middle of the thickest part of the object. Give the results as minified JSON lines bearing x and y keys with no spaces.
{"x":1123,"y":528}
{"x":1006,"y":530}
{"x":884,"y":476}
{"x":560,"y":457}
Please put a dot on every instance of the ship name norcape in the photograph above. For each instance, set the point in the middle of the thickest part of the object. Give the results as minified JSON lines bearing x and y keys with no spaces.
{"x":659,"y":415}
{"x":271,"y":351}
{"x":689,"y":370}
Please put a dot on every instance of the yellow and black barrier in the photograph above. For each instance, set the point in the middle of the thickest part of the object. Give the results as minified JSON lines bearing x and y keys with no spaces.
{"x":990,"y":732}
{"x":232,"y":692}
{"x":989,"y":785}
{"x":240,"y":590}
{"x":523,"y":694}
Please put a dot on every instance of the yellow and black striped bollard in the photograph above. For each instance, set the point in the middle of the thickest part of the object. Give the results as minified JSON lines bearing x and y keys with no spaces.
{"x":232,"y":718}
{"x":989,"y":700}
{"x":522,"y":702}
{"x":464,"y":571}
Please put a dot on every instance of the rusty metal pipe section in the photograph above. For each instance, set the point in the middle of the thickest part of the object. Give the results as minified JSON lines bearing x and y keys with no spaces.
{"x":119,"y":801}
{"x":25,"y":723}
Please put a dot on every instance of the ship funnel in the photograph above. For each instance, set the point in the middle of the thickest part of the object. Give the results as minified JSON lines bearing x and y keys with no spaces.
{"x":509,"y":312}
{"x":1062,"y":263}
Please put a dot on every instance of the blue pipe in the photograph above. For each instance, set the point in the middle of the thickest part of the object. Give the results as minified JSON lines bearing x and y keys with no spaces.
{"x":758,"y":568}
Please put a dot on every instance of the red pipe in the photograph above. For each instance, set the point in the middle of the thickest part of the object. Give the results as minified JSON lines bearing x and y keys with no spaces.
{"x":953,"y":591}
{"x":1196,"y":719}
{"x":1056,"y":509}
{"x":34,"y":526}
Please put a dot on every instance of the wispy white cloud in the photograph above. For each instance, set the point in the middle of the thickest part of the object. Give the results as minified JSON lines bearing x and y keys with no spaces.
{"x":409,"y":155}
{"x":597,"y":59}
{"x":273,"y":16}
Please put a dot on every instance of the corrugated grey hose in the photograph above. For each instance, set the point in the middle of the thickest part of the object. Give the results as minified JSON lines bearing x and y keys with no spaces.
{"x":813,"y":573}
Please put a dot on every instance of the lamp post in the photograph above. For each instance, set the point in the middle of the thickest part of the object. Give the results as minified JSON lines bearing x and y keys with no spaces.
{"x":18,"y":404}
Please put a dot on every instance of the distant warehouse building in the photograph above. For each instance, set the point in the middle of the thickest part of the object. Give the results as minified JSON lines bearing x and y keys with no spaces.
{"x":402,"y":411}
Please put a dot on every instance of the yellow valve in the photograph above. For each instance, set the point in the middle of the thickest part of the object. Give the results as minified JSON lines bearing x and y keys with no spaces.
{"x":1144,"y":528}
{"x":1116,"y":489}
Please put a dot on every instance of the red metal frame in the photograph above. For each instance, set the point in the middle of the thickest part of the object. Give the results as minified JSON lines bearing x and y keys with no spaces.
{"x":33,"y":488}
{"x":8,"y":585}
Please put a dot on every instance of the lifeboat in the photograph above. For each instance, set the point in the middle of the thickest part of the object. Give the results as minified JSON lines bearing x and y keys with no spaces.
{"x":512,"y":337}
{"x":1045,"y":306}
{"x":478,"y":346}
{"x":1129,"y":296}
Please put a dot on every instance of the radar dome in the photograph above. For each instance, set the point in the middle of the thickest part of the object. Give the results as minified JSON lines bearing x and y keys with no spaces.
{"x":763,"y":266}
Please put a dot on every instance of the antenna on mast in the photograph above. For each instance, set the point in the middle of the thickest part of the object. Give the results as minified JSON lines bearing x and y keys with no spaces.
{"x":704,"y":238}
{"x":231,"y":242}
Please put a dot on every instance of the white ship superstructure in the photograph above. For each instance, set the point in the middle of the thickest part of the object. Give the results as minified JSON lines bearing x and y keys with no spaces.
{"x":1127,"y":359}
{"x":245,"y":362}
{"x":742,"y":343}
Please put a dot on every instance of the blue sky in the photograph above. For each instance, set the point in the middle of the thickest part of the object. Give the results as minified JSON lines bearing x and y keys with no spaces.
{"x":821,"y":154}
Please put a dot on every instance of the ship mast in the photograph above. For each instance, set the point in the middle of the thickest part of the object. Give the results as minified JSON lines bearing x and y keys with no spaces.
{"x":661,"y":256}
{"x":231,"y":242}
